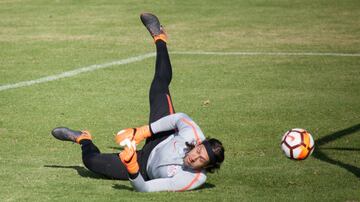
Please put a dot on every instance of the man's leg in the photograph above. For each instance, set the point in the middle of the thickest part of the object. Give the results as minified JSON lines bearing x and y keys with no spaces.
{"x":106,"y":164}
{"x":160,"y":99}
{"x":159,"y":95}
{"x":160,"y":105}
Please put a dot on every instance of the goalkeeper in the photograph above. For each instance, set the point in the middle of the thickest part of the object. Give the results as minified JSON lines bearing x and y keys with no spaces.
{"x":176,"y":156}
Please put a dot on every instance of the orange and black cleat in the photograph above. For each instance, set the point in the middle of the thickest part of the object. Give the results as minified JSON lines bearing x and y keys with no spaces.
{"x":66,"y":134}
{"x":152,"y":24}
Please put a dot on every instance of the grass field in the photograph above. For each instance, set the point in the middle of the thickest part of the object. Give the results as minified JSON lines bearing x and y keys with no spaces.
{"x":247,"y":101}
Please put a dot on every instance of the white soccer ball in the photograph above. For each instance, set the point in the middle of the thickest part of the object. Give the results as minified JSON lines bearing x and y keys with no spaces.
{"x":297,"y":144}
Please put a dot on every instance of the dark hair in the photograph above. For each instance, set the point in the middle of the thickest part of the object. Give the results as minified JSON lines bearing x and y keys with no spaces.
{"x":218,"y":150}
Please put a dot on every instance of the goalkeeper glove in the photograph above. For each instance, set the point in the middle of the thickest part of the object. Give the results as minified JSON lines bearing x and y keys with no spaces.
{"x":136,"y":134}
{"x":129,"y":157}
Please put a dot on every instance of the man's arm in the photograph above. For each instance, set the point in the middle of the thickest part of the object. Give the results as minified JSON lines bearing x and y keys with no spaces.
{"x":180,"y":182}
{"x":186,"y":127}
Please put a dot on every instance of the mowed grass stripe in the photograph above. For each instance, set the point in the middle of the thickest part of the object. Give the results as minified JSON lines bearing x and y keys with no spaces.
{"x":148,"y":55}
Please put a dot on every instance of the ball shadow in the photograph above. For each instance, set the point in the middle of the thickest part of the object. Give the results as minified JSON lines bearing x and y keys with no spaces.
{"x":319,"y":153}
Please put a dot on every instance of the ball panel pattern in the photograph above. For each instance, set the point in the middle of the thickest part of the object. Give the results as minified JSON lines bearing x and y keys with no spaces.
{"x":297,"y":144}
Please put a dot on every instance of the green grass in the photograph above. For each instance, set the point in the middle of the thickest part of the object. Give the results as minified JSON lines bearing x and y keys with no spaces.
{"x":252,"y":100}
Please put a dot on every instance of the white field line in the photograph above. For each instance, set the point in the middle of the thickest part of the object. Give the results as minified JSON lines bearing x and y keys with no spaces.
{"x":76,"y":72}
{"x":148,"y":55}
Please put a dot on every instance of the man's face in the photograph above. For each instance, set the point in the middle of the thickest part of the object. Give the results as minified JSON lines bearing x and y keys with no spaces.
{"x":197,"y":158}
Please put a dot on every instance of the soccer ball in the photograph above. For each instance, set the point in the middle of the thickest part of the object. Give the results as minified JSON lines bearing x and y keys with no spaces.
{"x":297,"y":144}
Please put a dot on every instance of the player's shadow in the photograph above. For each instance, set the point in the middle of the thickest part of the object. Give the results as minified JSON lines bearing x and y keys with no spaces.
{"x":207,"y":186}
{"x":122,"y":187}
{"x":83,"y":172}
{"x":319,"y":154}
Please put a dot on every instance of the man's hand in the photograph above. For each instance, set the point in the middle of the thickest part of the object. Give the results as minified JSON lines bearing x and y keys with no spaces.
{"x":129,"y":157}
{"x":136,"y":134}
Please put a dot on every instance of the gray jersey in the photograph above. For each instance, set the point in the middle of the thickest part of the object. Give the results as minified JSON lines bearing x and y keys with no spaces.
{"x":165,"y":166}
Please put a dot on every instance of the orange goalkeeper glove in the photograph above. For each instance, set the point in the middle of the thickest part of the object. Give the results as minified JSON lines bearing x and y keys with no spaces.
{"x":129,"y":158}
{"x":137,"y":134}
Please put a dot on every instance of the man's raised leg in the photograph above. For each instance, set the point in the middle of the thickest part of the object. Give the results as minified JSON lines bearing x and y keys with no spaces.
{"x":159,"y":95}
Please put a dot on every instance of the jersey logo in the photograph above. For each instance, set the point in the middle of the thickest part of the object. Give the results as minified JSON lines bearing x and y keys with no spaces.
{"x":172,"y":170}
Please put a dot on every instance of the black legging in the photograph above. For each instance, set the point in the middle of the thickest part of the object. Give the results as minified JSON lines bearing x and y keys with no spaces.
{"x":109,"y":165}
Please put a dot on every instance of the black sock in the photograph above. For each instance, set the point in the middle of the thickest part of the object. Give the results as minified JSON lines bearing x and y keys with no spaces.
{"x":88,"y":147}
